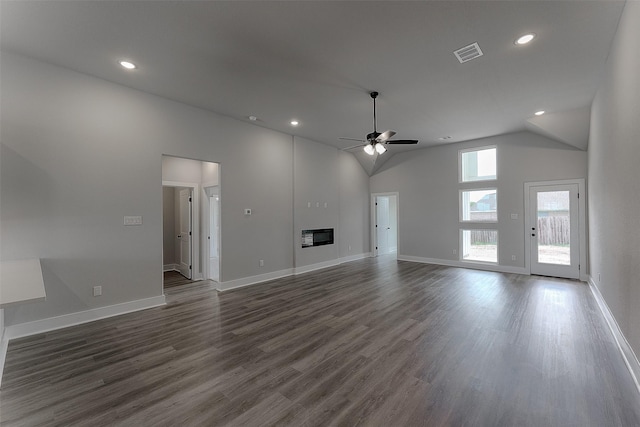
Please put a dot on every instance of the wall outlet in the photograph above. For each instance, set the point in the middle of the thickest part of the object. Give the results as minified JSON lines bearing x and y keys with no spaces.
{"x":261,"y":263}
{"x":513,"y":257}
{"x":97,"y":291}
{"x":455,"y":251}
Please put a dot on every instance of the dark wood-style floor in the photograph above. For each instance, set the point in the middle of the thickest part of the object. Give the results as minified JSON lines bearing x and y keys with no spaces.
{"x":373,"y":342}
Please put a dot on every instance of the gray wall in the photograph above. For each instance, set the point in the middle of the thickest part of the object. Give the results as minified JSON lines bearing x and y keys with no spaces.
{"x":78,"y":153}
{"x":427,"y":182}
{"x":315,"y":182}
{"x":353,"y":227}
{"x":614,"y":179}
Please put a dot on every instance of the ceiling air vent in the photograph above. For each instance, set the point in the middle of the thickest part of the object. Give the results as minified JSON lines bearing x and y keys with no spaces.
{"x":468,"y":53}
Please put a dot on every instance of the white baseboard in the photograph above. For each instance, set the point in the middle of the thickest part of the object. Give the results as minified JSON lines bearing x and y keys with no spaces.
{"x":52,"y":323}
{"x":465,"y":264}
{"x":355,"y":257}
{"x":317,"y":266}
{"x":252,"y":280}
{"x":627,"y":352}
{"x":4,"y":344}
{"x":169,"y":267}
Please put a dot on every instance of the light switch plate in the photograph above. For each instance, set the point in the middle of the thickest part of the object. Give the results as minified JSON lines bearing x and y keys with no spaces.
{"x":514,"y":216}
{"x":133,"y":220}
{"x":247,"y":211}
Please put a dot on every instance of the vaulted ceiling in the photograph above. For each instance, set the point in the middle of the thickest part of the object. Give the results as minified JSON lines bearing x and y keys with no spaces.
{"x":316,"y":62}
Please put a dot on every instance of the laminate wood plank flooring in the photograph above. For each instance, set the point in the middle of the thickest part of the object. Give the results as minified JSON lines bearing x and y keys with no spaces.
{"x":374,"y":342}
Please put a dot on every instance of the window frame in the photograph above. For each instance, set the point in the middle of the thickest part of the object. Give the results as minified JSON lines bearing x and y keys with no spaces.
{"x":461,"y":206}
{"x":461,"y":246}
{"x":470,"y":150}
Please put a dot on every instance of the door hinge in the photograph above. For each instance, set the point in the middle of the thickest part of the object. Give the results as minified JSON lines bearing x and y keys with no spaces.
{"x":189,"y":233}
{"x":189,"y":267}
{"x":578,"y":267}
{"x":578,"y":195}
{"x":189,"y":199}
{"x":376,"y":203}
{"x":376,"y":225}
{"x":376,"y":248}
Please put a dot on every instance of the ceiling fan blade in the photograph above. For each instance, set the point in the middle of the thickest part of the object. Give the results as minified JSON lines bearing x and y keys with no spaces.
{"x":385,"y":135}
{"x":353,"y":146}
{"x":351,"y":139}
{"x":402,"y":141}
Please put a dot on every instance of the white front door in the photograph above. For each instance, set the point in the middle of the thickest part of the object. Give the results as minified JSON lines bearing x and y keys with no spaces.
{"x":184,"y":238}
{"x":382,"y":225}
{"x":554,"y":230}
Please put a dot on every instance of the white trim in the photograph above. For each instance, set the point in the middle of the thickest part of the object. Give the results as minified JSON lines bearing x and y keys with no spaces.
{"x":4,"y":345}
{"x":317,"y":266}
{"x":630,"y":358}
{"x":374,"y":212}
{"x":355,"y":257}
{"x":470,"y":150}
{"x":461,"y":206}
{"x":464,"y":264}
{"x":66,"y":320}
{"x":169,"y":267}
{"x":252,"y":280}
{"x":582,"y":224}
{"x":195,"y":222}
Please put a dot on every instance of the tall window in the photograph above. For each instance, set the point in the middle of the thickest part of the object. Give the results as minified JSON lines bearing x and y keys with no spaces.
{"x":478,"y":164}
{"x":478,"y":206}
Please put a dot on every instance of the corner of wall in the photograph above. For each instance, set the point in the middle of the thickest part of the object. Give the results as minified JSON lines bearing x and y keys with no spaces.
{"x":629,"y":356}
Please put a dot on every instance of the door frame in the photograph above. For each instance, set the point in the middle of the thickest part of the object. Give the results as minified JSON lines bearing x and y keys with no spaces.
{"x":582,"y":225}
{"x":207,"y":228}
{"x":195,"y":224}
{"x":373,"y":211}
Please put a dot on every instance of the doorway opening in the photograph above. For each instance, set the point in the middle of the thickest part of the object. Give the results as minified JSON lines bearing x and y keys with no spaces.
{"x":554,"y":217}
{"x":190,"y":220}
{"x":384,"y":224}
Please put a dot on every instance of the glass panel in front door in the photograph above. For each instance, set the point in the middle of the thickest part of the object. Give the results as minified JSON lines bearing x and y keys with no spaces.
{"x":554,"y":234}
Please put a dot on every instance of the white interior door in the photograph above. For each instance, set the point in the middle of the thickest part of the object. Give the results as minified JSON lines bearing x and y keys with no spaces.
{"x":382,"y":225}
{"x":554,"y":230}
{"x":214,"y":233}
{"x":184,"y":238}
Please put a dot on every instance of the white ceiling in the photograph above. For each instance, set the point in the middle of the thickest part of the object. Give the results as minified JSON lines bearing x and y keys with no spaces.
{"x":317,"y":61}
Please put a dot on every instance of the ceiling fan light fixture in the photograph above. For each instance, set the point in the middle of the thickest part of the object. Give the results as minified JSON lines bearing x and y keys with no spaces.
{"x":369,"y":149}
{"x":380,"y":148}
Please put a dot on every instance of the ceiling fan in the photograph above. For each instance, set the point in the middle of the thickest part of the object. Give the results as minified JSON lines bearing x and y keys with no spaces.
{"x":375,"y":142}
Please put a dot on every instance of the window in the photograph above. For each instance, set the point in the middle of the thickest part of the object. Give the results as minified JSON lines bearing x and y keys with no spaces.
{"x":478,"y":164}
{"x":479,"y":245}
{"x":479,"y":205}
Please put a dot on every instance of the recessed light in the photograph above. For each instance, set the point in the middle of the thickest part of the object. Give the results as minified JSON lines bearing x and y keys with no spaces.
{"x":128,"y":65}
{"x":444,"y":138}
{"x":253,"y":118}
{"x":524,"y":39}
{"x":539,"y":113}
{"x":294,"y":123}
